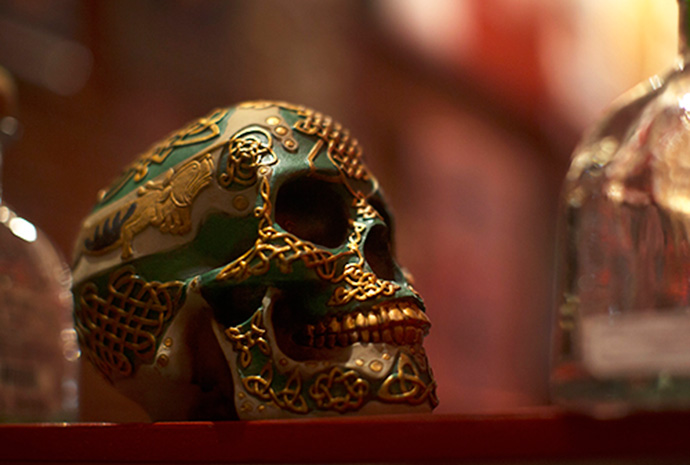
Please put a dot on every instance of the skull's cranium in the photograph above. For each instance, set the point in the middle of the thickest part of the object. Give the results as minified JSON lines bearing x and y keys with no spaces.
{"x":241,"y":268}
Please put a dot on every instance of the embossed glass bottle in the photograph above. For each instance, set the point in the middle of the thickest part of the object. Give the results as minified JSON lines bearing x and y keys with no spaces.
{"x":622,"y":329}
{"x":38,"y":348}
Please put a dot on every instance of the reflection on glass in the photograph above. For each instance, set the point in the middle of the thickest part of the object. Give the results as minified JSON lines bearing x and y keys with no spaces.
{"x":38,"y":347}
{"x":623,"y":315}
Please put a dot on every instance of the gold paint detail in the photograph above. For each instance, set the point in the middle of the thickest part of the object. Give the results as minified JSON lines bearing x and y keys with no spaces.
{"x":282,"y":132}
{"x":122,"y":327}
{"x":285,"y":248}
{"x":279,"y":247}
{"x":246,"y":407}
{"x":164,"y":204}
{"x":247,"y":151}
{"x":400,"y":322}
{"x":339,"y":390}
{"x":365,"y":210}
{"x":168,"y":342}
{"x":162,"y":360}
{"x":202,"y":130}
{"x":288,"y":398}
{"x":359,"y":284}
{"x":343,"y":150}
{"x":244,"y":342}
{"x":386,"y":356}
{"x":376,"y":366}
{"x":359,"y":362}
{"x":406,"y":386}
{"x":240,"y":202}
{"x":264,"y":104}
{"x":410,"y":286}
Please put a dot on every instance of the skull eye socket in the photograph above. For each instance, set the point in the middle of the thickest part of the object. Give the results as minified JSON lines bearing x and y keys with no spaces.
{"x":313,"y":211}
{"x":378,"y":253}
{"x":380,"y":206}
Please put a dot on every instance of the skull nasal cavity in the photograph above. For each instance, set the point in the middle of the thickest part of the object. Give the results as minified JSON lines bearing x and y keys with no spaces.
{"x":313,"y":211}
{"x":378,"y":254}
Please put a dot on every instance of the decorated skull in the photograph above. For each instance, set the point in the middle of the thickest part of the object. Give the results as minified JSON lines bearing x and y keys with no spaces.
{"x":243,"y":268}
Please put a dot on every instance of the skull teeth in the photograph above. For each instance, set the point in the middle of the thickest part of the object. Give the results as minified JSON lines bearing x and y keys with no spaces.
{"x":391,"y":322}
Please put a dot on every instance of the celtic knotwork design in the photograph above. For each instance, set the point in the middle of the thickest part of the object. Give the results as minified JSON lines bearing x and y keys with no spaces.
{"x":338,"y":390}
{"x":246,"y":152}
{"x":288,"y":398}
{"x":279,"y":247}
{"x":359,"y":284}
{"x":365,"y":210}
{"x":343,"y":150}
{"x":202,"y":130}
{"x":406,"y":386}
{"x":121,"y":327}
{"x":243,"y":342}
{"x":285,"y":248}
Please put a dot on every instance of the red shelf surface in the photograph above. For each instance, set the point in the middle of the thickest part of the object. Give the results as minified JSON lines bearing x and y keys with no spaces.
{"x":538,"y":434}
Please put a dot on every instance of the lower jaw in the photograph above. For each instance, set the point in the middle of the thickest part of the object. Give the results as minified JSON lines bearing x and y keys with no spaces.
{"x":308,"y":381}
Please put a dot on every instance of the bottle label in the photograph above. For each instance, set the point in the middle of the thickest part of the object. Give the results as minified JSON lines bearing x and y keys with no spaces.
{"x":637,"y":344}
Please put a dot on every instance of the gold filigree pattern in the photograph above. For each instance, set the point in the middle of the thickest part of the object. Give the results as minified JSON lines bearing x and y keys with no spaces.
{"x":283,"y":249}
{"x":122,"y":327}
{"x":343,"y":150}
{"x":360,"y":285}
{"x":406,"y":386}
{"x":338,"y":390}
{"x":246,"y":151}
{"x":365,"y":210}
{"x":201,"y":130}
{"x":278,"y":247}
{"x":263,"y":104}
{"x":164,"y":204}
{"x":288,"y":398}
{"x":244,"y":342}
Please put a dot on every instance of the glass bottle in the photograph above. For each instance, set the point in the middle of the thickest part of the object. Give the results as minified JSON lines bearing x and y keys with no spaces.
{"x":38,"y":349}
{"x":622,"y":325}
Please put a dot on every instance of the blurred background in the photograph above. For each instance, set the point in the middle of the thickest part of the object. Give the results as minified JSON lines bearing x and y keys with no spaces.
{"x":467,"y":110}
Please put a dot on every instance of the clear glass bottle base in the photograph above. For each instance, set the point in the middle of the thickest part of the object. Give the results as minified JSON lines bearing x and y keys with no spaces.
{"x":617,"y":397}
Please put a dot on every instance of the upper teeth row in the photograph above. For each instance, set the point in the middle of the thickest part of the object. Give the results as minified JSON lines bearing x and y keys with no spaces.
{"x":392,"y":322}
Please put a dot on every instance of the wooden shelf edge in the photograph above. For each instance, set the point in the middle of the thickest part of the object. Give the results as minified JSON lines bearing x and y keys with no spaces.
{"x":544,"y":433}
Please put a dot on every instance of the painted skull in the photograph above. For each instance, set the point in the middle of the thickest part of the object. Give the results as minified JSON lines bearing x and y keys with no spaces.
{"x":242,"y":268}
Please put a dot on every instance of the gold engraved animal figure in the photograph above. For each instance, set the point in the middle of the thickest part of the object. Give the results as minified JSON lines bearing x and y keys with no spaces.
{"x":166,"y":204}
